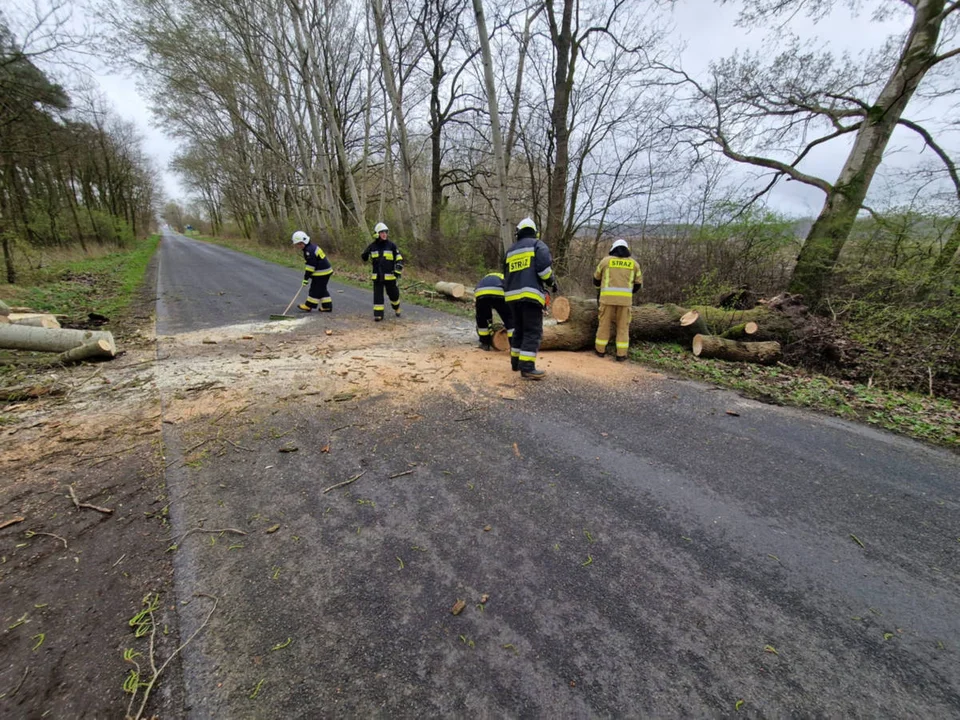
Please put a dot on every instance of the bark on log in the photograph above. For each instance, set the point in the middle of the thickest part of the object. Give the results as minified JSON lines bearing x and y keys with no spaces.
{"x":560,"y":309}
{"x":712,"y":346}
{"x":19,"y":337}
{"x":94,"y":349}
{"x":454,"y":290}
{"x":660,"y":322}
{"x":4,"y":308}
{"x":43,"y":320}
{"x":743,"y":330}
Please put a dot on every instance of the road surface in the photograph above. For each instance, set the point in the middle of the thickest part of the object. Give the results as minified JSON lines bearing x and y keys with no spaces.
{"x":626,"y":544}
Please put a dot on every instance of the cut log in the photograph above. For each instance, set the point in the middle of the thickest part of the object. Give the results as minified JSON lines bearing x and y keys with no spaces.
{"x":560,"y":309}
{"x":20,"y":337}
{"x":4,"y":319}
{"x":44,"y":320}
{"x":454,"y":290}
{"x":500,"y":340}
{"x":4,"y":308}
{"x":712,"y":346}
{"x":748,"y":329}
{"x":89,"y":351}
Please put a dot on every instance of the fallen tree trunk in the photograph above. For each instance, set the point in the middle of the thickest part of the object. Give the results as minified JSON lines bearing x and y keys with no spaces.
{"x":738,"y":332}
{"x":454,"y":290}
{"x":712,"y":346}
{"x":662,"y":322}
{"x":44,"y":320}
{"x":101,"y":348}
{"x":560,"y":309}
{"x":20,"y":337}
{"x":4,"y":308}
{"x":500,"y":340}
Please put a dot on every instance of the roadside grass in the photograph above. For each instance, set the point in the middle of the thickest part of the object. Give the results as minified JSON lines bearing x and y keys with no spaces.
{"x":933,"y":420}
{"x":75,"y":285}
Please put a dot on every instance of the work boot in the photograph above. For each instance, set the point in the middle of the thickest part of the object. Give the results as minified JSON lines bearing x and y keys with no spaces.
{"x":600,"y":354}
{"x":533,"y":374}
{"x":484,"y":346}
{"x":303,"y":307}
{"x":377,"y":319}
{"x":514,"y":364}
{"x":397,"y":312}
{"x":621,"y":358}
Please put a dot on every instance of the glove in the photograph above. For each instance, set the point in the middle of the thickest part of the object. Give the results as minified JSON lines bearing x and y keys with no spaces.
{"x":306,"y":282}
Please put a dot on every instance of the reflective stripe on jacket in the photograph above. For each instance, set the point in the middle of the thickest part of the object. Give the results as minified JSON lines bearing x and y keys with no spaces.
{"x":617,"y":276}
{"x":490,"y":286}
{"x":385,"y":260}
{"x":527,"y":268}
{"x":315,"y":262}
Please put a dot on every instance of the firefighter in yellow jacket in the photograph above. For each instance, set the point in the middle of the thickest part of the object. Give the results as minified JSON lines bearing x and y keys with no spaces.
{"x":618,"y":276}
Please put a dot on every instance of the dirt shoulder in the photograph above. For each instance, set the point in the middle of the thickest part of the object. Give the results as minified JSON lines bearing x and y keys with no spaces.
{"x":73,"y":577}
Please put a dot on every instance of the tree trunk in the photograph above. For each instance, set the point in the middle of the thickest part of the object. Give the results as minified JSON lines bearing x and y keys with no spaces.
{"x":43,"y":320}
{"x":454,"y":290}
{"x":829,"y":233}
{"x":496,"y":136}
{"x":711,"y":346}
{"x":660,"y":322}
{"x":18,"y":337}
{"x":88,"y":351}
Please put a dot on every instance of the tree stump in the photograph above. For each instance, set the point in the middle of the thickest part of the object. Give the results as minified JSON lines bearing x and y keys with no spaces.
{"x":713,"y":346}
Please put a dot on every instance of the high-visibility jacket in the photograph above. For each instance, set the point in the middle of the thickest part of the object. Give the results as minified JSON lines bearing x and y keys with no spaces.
{"x":386,"y":262}
{"x":490,"y":286}
{"x":526,"y":269}
{"x":315,"y":262}
{"x":619,"y":278}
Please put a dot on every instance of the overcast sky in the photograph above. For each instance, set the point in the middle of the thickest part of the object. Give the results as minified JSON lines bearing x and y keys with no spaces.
{"x":706,"y":30}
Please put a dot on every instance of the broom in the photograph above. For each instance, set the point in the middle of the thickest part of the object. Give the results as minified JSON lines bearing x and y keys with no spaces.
{"x":284,"y":316}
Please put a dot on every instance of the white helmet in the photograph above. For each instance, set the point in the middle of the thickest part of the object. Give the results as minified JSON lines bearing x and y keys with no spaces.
{"x":300,"y":237}
{"x":526,"y":223}
{"x":619,"y":243}
{"x":379,"y":228}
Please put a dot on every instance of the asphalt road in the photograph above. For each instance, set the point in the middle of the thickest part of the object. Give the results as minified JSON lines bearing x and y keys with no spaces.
{"x":643,"y":551}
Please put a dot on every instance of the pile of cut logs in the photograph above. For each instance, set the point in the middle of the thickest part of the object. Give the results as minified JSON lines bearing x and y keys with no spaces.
{"x":23,"y":329}
{"x":751,"y":336}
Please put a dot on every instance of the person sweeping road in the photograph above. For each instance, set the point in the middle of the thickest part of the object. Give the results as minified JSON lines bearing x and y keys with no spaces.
{"x":316,"y":273}
{"x":386,"y":264}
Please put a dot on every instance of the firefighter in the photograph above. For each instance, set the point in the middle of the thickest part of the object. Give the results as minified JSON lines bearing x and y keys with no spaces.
{"x":488,"y":297}
{"x":316,"y":273}
{"x":386,"y":265}
{"x":527,"y":270}
{"x":618,"y":277}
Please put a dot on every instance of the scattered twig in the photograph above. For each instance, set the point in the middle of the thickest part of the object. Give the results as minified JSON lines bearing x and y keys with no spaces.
{"x":79,"y":504}
{"x":20,"y":684}
{"x":83,"y":382}
{"x":118,"y":560}
{"x":344,"y":427}
{"x":345,"y":482}
{"x":203,"y":530}
{"x":11,"y":521}
{"x":157,"y":671}
{"x":239,"y":447}
{"x":31,"y":533}
{"x":400,"y":474}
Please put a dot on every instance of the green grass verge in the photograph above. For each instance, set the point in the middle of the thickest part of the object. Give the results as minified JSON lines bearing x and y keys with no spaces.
{"x":106,"y":284}
{"x":934,"y":420}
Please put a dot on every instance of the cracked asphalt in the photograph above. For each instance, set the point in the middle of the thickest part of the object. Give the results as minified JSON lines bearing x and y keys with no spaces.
{"x":623,"y":544}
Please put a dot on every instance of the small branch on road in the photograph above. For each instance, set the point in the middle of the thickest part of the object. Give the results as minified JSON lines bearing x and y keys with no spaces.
{"x":73,"y":496}
{"x":400,"y":474}
{"x":345,"y":482}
